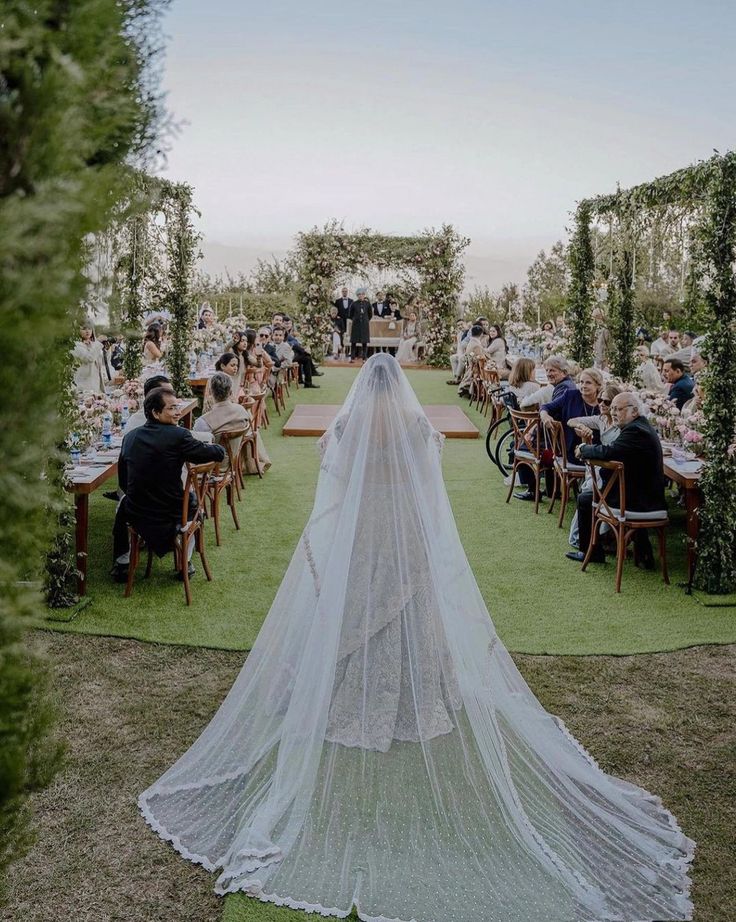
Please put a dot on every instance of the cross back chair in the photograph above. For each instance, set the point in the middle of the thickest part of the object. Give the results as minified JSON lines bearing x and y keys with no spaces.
{"x":566,"y":474}
{"x":489,"y":381}
{"x":188,"y":529}
{"x":622,"y":523}
{"x":227,"y":479}
{"x":528,"y":442}
{"x":249,"y":442}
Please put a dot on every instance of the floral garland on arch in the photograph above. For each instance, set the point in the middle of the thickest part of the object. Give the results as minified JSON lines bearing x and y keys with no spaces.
{"x":321,"y":256}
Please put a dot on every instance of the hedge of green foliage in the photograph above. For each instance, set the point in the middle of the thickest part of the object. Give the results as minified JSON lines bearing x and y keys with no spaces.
{"x":78,"y":105}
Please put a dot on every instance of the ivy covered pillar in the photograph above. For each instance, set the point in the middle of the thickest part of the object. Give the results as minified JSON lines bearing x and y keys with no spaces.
{"x":580,"y":298}
{"x":181,"y":246}
{"x":621,"y":305}
{"x":715,"y":252}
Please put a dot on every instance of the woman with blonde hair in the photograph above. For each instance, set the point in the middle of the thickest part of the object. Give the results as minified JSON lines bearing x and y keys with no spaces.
{"x":521,"y":380}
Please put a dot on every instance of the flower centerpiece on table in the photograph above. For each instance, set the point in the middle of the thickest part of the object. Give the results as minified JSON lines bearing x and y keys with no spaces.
{"x":691,"y":429}
{"x":662,"y":413}
{"x":210,"y":339}
{"x":235,"y":323}
{"x":86,"y":424}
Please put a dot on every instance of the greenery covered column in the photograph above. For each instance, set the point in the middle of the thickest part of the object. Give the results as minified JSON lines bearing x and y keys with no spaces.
{"x":580,"y":297}
{"x":621,"y":304}
{"x":182,"y":250}
{"x":716,"y":251}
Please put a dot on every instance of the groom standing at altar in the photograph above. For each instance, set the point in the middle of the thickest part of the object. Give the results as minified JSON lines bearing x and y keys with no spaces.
{"x":360,"y":330}
{"x":343,"y":305}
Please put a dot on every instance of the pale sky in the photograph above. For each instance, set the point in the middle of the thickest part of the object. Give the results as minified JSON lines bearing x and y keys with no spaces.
{"x":495,"y":117}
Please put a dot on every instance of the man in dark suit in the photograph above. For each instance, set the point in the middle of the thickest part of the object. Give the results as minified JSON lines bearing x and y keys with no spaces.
{"x":640,"y":450}
{"x":150,"y":474}
{"x":343,"y":305}
{"x":381,"y":307}
{"x":681,"y":384}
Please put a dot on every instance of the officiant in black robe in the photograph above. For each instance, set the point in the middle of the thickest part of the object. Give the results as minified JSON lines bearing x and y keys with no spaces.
{"x":361,"y":312}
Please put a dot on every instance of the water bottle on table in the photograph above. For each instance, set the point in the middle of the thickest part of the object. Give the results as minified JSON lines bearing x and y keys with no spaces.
{"x":107,"y":430}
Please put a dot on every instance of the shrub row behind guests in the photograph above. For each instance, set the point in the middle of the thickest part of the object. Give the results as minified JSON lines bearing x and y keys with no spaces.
{"x":150,"y":474}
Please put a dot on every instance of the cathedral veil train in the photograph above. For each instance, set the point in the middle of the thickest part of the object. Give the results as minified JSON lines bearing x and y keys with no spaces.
{"x":380,"y":751}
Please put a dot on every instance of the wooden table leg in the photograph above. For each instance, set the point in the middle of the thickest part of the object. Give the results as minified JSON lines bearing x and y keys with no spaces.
{"x":81,"y":503}
{"x":692,"y":505}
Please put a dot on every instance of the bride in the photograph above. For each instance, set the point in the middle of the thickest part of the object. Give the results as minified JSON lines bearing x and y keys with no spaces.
{"x":379,"y":749}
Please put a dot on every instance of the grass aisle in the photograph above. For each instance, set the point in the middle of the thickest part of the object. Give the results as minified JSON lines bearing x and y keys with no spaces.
{"x":540,"y":602}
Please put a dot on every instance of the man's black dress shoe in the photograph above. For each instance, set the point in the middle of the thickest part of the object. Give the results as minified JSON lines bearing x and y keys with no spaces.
{"x":111,"y":494}
{"x":579,"y":557}
{"x":119,"y":573}
{"x":311,"y":385}
{"x":191,"y":570}
{"x":526,"y":495}
{"x":317,"y":374}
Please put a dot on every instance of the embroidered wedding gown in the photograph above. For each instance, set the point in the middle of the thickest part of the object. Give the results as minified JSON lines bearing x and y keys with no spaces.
{"x":380,"y":750}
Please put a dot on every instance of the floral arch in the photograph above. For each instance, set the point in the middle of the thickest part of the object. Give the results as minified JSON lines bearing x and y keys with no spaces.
{"x":323,"y":255}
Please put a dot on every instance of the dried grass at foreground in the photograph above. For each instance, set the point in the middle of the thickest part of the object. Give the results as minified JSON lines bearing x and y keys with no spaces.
{"x":666,"y":721}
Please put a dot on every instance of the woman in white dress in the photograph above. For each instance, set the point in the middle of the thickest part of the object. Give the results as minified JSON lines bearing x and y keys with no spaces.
{"x":380,"y":751}
{"x":89,"y":378}
{"x":410,"y":337}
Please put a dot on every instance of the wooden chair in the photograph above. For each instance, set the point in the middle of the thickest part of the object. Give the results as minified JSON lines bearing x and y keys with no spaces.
{"x":227,"y":480}
{"x":249,"y":443}
{"x":196,"y":483}
{"x":624,"y":524}
{"x":294,"y":374}
{"x":566,"y":474}
{"x":476,"y":379}
{"x":277,"y":391}
{"x":489,"y":382}
{"x":528,"y":444}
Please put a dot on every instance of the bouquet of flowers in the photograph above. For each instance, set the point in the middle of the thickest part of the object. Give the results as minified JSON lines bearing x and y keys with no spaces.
{"x":210,"y":339}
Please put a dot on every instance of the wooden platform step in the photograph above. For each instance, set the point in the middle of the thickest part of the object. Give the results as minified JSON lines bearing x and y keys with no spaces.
{"x":315,"y":419}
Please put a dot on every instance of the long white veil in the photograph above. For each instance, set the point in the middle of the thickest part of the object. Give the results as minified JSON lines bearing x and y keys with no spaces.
{"x":380,"y":750}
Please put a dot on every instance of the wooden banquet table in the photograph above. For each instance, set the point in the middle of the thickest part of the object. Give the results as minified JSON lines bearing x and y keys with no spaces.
{"x":86,"y":477}
{"x":687,"y":475}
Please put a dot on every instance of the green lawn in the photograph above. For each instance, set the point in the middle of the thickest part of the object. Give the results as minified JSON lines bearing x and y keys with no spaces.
{"x":540,"y":602}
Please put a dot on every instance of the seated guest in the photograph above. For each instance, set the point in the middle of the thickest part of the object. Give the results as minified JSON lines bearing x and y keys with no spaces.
{"x":570,"y":403}
{"x":226,"y":415}
{"x":281,"y":349}
{"x":473,"y":350}
{"x":238,"y":347}
{"x":302,"y":354}
{"x":698,"y":359}
{"x":685,"y":352}
{"x":229,"y":364}
{"x":573,"y":402}
{"x":647,"y":372}
{"x":661,"y":345}
{"x":258,"y":363}
{"x":139,"y":417}
{"x":150,"y":474}
{"x":457,"y":359}
{"x":496,"y":350}
{"x":521,"y":379}
{"x":640,"y":450}
{"x":410,"y":336}
{"x":558,"y":375}
{"x":681,"y":384}
{"x":599,"y":429}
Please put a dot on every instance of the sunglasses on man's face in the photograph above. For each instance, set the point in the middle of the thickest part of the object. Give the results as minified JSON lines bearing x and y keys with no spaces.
{"x":606,"y":403}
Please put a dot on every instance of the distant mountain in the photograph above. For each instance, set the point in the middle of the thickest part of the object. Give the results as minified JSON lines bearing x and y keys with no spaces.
{"x":487,"y":263}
